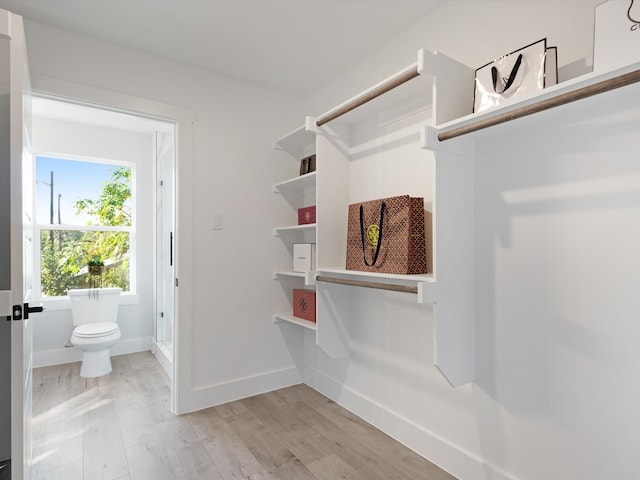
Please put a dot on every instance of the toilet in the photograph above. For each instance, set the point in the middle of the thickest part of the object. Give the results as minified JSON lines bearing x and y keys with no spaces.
{"x":95,"y":316}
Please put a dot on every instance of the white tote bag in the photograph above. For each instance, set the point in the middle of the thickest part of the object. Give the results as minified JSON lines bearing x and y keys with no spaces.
{"x":617,"y":35}
{"x":515,"y":75}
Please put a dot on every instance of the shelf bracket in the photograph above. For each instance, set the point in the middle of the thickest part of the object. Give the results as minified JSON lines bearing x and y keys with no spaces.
{"x":310,"y":278}
{"x":310,"y":124}
{"x":427,"y":293}
{"x":463,"y":147}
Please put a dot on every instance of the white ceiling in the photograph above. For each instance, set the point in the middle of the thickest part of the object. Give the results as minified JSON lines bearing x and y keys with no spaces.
{"x":291,"y":46}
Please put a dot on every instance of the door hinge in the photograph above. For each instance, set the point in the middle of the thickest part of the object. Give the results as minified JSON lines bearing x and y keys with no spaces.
{"x":161,"y":314}
{"x":176,"y":282}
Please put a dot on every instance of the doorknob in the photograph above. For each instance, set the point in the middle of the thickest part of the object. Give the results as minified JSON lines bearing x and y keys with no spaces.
{"x":27,"y":310}
{"x":20,"y":313}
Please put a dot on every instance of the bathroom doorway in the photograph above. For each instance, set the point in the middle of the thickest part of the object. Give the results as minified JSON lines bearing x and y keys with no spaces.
{"x":87,"y":134}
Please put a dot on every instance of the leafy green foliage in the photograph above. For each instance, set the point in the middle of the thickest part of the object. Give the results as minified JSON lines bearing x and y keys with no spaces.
{"x":59,"y":266}
{"x":113,"y":207}
{"x":66,"y":255}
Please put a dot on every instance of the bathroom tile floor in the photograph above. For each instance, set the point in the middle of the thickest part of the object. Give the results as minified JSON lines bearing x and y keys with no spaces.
{"x":119,"y":427}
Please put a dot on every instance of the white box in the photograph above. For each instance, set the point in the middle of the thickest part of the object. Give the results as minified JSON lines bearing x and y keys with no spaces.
{"x":304,"y":257}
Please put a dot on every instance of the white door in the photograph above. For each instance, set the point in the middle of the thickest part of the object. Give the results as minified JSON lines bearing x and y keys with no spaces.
{"x":15,"y":247}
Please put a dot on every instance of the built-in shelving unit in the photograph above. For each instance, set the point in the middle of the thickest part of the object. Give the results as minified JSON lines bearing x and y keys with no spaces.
{"x":297,"y":191}
{"x":353,"y":165}
{"x":349,"y":146}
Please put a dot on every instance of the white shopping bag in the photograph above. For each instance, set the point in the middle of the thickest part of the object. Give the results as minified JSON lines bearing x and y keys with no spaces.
{"x":515,"y":75}
{"x":617,"y":35}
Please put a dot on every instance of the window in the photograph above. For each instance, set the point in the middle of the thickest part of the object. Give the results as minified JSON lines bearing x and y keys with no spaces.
{"x":85,"y":223}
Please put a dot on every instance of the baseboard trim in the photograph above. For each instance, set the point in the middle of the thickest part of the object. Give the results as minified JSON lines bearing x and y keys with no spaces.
{"x":455,"y":460}
{"x":212,"y":395}
{"x":163,"y":359}
{"x":46,"y":358}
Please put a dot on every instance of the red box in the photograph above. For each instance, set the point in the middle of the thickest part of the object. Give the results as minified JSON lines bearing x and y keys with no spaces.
{"x":307,"y":215}
{"x":304,"y":304}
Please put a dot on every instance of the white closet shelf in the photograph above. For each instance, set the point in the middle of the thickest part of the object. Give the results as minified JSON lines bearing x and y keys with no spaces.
{"x":309,"y":277}
{"x":297,"y":184}
{"x":288,"y":273}
{"x":287,"y":317}
{"x":311,"y":227}
{"x":478,"y":125}
{"x":425,"y":285}
{"x":296,"y":142}
{"x":382,"y":277}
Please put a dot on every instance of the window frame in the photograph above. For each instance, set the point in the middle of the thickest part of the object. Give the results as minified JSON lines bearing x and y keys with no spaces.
{"x":62,"y":302}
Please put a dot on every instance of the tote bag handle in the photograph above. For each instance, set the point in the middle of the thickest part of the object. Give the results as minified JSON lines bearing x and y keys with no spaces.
{"x":512,"y":75}
{"x":364,"y":254}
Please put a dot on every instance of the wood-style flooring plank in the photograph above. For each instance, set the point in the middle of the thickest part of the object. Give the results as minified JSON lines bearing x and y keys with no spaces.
{"x":149,"y":461}
{"x":332,"y":468}
{"x":104,"y":453}
{"x":193,"y":462}
{"x":265,"y":445}
{"x":297,"y":436}
{"x":69,"y":471}
{"x":230,"y":455}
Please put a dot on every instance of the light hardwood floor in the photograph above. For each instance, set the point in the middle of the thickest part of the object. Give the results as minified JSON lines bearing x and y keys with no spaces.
{"x":119,"y":427}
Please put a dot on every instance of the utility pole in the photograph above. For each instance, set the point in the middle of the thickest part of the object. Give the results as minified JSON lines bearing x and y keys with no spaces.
{"x":59,"y":222}
{"x":50,"y":185}
{"x":51,"y":202}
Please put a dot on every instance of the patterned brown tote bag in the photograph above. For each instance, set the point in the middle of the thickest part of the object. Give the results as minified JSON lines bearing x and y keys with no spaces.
{"x":387,"y":236}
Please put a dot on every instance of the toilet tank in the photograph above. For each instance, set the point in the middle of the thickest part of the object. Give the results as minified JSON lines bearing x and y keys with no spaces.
{"x":90,"y":305}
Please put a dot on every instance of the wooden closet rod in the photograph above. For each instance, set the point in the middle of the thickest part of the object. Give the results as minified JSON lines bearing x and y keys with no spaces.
{"x":359,"y":283}
{"x":402,"y":77}
{"x":562,"y":99}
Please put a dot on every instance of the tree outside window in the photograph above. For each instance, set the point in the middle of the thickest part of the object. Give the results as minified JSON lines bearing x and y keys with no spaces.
{"x":94,"y":225}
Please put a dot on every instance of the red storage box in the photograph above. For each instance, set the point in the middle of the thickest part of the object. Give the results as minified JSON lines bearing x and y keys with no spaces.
{"x":307,"y":215}
{"x":304,"y":304}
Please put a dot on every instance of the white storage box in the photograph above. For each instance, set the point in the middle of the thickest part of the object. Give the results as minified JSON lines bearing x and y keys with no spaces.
{"x":304,"y":257}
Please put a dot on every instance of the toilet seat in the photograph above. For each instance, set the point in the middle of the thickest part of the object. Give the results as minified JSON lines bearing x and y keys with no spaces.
{"x":93,"y":330}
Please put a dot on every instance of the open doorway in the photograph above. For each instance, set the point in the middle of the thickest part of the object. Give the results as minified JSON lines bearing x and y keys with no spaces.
{"x":69,"y":138}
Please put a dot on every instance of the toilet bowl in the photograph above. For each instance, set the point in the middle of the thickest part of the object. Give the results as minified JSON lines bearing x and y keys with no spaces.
{"x":95,"y":313}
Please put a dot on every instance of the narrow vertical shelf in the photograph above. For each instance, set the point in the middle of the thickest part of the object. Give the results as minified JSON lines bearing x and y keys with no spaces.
{"x":297,"y":192}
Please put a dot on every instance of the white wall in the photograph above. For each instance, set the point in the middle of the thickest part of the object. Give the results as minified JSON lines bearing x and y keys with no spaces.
{"x":474,"y":33}
{"x":52,"y":328}
{"x":556,"y":258}
{"x":236,"y":350}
